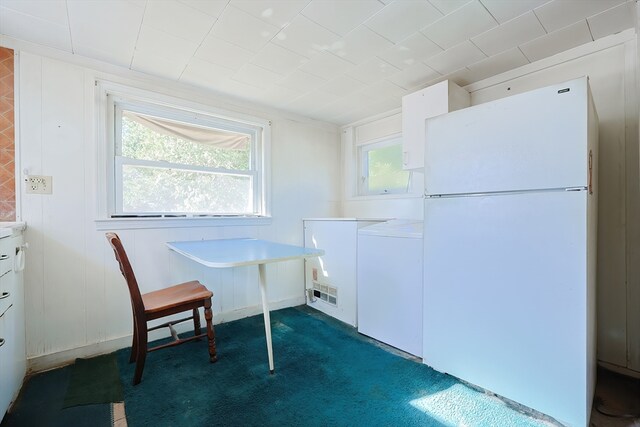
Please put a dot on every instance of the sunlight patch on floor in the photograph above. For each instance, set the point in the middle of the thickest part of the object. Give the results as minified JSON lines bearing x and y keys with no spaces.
{"x":459,"y":405}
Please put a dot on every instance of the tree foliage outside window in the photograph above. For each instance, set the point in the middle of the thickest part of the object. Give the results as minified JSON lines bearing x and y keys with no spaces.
{"x":160,"y":173}
{"x":381,"y":168}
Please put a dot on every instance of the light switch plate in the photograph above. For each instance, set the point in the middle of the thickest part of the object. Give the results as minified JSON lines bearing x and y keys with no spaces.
{"x":38,"y":184}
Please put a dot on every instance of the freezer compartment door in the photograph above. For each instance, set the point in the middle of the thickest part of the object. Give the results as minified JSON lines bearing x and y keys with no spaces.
{"x":505,"y":290}
{"x":535,"y":140}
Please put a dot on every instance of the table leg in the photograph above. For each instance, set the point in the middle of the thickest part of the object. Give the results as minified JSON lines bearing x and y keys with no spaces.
{"x":265,"y":311}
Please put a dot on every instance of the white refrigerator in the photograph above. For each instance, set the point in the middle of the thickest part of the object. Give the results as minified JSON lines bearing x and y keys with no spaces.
{"x":510,"y":246}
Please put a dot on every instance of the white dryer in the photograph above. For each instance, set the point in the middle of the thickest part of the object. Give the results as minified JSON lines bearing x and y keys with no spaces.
{"x":390,"y":283}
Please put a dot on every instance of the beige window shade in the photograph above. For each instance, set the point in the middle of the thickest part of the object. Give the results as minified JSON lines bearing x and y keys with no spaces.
{"x":213,"y":137}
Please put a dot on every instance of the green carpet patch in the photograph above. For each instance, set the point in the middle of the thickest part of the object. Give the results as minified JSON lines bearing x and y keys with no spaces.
{"x":93,"y":381}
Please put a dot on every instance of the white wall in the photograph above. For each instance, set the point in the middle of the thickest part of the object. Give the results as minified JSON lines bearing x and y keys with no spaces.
{"x":76,"y":300}
{"x":611,"y":67}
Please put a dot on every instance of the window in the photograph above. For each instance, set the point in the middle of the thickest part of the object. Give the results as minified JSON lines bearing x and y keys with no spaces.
{"x":167,"y":161}
{"x":380,"y":165}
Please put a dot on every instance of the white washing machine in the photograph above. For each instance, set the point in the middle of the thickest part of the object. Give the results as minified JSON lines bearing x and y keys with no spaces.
{"x":390,"y":283}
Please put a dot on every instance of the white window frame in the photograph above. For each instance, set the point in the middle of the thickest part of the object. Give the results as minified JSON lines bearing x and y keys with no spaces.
{"x":112,"y":98}
{"x":363,"y":166}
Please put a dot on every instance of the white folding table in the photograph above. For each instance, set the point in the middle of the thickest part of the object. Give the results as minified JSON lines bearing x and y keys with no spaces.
{"x":225,"y":253}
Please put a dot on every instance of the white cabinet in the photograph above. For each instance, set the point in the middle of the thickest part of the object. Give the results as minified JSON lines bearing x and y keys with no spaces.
{"x":438,"y":99}
{"x":12,"y":330}
{"x":330,"y":280}
{"x":5,"y":350}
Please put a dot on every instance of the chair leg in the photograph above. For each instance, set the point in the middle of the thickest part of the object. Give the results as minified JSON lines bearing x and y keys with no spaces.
{"x":134,"y":344}
{"x":196,"y":322}
{"x":141,"y":353}
{"x":208,"y":315}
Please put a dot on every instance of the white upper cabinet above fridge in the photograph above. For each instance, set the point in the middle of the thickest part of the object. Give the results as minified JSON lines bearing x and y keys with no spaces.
{"x":432,"y":101}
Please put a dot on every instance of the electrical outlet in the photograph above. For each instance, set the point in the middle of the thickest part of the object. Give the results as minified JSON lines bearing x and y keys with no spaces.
{"x":38,"y":184}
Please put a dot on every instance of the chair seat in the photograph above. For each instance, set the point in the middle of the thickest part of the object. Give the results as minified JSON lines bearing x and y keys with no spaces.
{"x":175,"y":296}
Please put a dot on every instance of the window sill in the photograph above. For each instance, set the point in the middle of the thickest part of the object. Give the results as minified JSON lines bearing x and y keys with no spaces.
{"x":385,"y":196}
{"x":140,"y":223}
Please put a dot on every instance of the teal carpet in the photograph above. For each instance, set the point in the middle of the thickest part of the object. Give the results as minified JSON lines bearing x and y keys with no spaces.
{"x":326,"y":375}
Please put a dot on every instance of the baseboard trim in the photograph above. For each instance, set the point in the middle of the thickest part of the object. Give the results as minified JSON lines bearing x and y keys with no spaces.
{"x":58,"y":359}
{"x":619,"y":369}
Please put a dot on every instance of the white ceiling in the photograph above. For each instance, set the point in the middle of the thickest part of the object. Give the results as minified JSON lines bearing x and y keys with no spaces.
{"x":333,"y":60}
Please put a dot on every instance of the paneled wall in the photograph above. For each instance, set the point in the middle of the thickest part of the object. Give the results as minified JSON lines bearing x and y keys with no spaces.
{"x":7,"y":137}
{"x":77,"y":302}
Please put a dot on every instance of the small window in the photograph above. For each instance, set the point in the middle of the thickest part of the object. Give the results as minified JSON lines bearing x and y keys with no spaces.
{"x":171,"y":162}
{"x":381,"y":168}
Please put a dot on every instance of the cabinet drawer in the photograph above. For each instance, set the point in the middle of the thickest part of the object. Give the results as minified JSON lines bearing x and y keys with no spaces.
{"x":7,"y":359}
{"x":7,"y":253}
{"x":7,"y":292}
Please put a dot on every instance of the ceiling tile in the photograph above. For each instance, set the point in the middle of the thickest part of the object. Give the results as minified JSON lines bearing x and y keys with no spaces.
{"x":311,"y":102}
{"x":455,"y":58}
{"x":54,"y":11}
{"x":612,"y":21}
{"x":301,"y":81}
{"x":155,"y":42}
{"x":278,"y":96}
{"x":341,"y":16}
{"x":218,"y":51}
{"x":119,"y":55}
{"x":203,"y":73}
{"x":505,"y":10}
{"x":178,"y":19}
{"x":360,"y":45}
{"x":494,"y":65}
{"x":90,"y":21}
{"x":278,"y":59}
{"x":448,"y":6}
{"x":414,"y":76}
{"x":326,"y":65}
{"x":345,"y":105}
{"x":383,"y":89}
{"x":210,"y":7}
{"x":240,"y":90}
{"x":560,"y":13}
{"x":400,"y":19}
{"x":305,"y":37}
{"x":27,"y":27}
{"x":342,"y":85}
{"x":373,"y":71}
{"x":461,"y":77}
{"x":349,"y":117}
{"x":510,"y":34}
{"x":410,"y":51}
{"x":242,"y":29}
{"x":460,"y":25}
{"x":156,"y":65}
{"x":256,"y":76}
{"x":558,"y":41}
{"x":276,"y":12}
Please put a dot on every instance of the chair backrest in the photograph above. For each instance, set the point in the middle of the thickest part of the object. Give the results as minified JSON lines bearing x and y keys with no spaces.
{"x":127,"y":272}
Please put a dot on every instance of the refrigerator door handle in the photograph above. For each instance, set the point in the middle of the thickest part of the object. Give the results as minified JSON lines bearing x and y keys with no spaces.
{"x":590,"y":172}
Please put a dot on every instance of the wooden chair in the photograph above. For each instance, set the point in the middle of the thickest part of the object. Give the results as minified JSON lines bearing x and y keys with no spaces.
{"x":161,"y":303}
